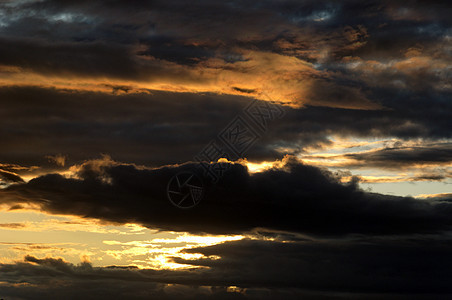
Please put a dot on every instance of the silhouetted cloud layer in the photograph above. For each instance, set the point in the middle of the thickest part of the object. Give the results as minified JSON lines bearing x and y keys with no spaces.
{"x":156,"y":128}
{"x":401,"y":268}
{"x":296,"y":197}
{"x":330,"y":54}
{"x":151,"y":83}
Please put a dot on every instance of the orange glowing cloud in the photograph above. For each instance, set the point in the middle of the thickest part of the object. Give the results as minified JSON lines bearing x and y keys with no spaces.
{"x":261,"y":75}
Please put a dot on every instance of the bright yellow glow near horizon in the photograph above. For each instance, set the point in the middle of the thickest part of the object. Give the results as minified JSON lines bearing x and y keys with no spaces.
{"x":76,"y":239}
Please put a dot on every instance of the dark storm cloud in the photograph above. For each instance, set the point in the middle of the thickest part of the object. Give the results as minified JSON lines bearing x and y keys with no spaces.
{"x":408,"y":116}
{"x":88,"y":59}
{"x":176,"y":51}
{"x":180,"y":42}
{"x":402,"y":268}
{"x":362,"y":69}
{"x":436,"y":10}
{"x":299,"y":198}
{"x":397,"y":157}
{"x":147,"y":128}
{"x":40,"y":277}
{"x":356,"y":266}
{"x":75,"y":58}
{"x":164,"y":31}
{"x":156,"y":128}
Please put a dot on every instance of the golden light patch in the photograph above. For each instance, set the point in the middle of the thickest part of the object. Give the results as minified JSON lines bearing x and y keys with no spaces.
{"x":440,"y":195}
{"x":262,"y":166}
{"x":260,"y":75}
{"x":160,"y":252}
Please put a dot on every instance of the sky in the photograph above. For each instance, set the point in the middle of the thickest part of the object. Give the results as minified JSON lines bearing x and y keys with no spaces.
{"x":225,"y":149}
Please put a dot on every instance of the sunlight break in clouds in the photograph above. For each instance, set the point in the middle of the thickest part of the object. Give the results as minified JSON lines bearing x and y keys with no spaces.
{"x":311,"y":139}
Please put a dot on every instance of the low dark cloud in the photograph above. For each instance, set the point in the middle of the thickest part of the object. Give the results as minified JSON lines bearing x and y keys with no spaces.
{"x":397,"y":157}
{"x":147,"y":128}
{"x":298,"y":198}
{"x":373,"y":268}
{"x":407,"y":117}
{"x":52,"y":278}
{"x":357,"y":266}
{"x":432,"y":159}
{"x":156,"y":128}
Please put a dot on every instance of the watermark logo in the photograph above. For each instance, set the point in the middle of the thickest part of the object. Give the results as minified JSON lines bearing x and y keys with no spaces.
{"x":185,"y":190}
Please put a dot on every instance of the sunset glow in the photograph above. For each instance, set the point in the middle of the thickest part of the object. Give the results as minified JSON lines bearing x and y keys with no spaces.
{"x":175,"y":150}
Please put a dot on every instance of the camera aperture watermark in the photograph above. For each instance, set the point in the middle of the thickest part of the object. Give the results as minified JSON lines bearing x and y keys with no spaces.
{"x":185,"y":190}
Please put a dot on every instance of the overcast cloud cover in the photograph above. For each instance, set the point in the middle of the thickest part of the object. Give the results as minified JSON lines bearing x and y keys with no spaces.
{"x":102,"y":102}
